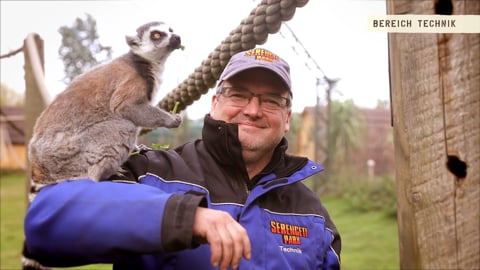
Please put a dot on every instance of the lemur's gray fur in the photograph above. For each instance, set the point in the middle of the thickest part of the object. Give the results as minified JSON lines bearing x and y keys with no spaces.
{"x":89,"y":130}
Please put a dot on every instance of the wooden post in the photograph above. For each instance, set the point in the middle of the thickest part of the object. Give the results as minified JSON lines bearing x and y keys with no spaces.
{"x":36,"y":95}
{"x":435,"y":91}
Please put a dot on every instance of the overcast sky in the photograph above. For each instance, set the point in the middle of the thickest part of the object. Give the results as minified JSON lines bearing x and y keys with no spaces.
{"x":334,"y":32}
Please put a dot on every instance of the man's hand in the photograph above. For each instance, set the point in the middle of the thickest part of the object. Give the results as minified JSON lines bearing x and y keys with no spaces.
{"x":228,"y":240}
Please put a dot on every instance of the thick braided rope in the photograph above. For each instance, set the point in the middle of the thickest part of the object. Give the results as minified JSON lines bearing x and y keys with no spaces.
{"x":265,"y":19}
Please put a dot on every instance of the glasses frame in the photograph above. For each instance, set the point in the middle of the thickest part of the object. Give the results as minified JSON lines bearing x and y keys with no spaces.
{"x":287,"y":104}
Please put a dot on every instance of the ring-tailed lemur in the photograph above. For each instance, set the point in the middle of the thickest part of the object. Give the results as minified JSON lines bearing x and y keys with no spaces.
{"x":90,"y":129}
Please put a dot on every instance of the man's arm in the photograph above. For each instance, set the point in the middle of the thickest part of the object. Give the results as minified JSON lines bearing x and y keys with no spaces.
{"x":81,"y":221}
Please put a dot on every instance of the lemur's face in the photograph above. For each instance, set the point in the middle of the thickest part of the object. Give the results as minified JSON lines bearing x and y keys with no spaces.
{"x":154,"y":41}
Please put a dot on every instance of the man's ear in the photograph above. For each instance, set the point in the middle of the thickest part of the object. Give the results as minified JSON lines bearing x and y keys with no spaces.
{"x":287,"y":120}
{"x":213,"y":105}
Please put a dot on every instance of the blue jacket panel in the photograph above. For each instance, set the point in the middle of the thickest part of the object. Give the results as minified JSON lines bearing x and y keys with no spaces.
{"x":82,"y":221}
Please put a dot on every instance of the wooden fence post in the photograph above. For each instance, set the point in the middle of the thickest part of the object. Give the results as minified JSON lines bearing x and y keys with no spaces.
{"x":36,"y":94}
{"x":435,"y":90}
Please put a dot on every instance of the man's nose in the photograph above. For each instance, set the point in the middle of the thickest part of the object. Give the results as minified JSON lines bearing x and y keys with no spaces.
{"x":253,"y":107}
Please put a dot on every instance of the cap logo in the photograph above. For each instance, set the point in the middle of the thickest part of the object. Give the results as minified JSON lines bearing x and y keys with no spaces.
{"x":262,"y":55}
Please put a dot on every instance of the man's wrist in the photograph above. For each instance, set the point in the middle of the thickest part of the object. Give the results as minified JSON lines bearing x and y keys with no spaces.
{"x":177,"y":225}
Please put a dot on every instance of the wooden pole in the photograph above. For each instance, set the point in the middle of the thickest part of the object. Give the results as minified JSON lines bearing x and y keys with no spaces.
{"x":435,"y":91}
{"x":36,"y":95}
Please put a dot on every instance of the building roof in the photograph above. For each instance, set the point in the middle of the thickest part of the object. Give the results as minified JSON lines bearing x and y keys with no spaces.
{"x":12,"y":118}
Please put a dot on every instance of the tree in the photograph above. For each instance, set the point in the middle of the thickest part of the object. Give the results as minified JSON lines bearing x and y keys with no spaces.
{"x":345,"y":133}
{"x":81,"y":48}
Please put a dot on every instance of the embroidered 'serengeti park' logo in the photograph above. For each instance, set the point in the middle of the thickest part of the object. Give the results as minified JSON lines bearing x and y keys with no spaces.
{"x":291,"y":234}
{"x":262,"y":55}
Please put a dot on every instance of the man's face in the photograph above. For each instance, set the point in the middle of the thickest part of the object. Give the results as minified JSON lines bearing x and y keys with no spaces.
{"x":259,"y":130}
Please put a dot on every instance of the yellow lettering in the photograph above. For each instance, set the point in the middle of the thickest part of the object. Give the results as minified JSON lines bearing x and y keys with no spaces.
{"x":272,"y":226}
{"x":282,"y":228}
{"x":288,"y":229}
{"x":291,"y":240}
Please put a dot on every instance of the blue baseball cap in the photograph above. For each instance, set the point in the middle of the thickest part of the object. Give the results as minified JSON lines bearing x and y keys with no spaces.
{"x":255,"y":58}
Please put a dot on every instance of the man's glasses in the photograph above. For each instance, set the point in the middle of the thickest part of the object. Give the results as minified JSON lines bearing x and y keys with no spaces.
{"x":238,"y":96}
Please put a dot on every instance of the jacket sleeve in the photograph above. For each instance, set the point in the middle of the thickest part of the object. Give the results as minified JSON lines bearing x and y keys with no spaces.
{"x":332,"y":257}
{"x":82,"y":221}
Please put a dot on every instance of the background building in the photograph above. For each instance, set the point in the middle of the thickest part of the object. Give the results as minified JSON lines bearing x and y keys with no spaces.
{"x":374,"y":140}
{"x":12,"y":138}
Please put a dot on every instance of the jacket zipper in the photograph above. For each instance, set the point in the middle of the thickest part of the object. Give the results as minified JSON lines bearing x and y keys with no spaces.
{"x":246,"y":190}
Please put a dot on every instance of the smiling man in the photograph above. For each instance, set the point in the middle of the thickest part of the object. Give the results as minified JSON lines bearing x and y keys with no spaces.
{"x":233,"y":199}
{"x":258,"y":101}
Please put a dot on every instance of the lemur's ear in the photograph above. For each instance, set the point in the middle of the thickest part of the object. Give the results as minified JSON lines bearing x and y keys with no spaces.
{"x":132,"y":41}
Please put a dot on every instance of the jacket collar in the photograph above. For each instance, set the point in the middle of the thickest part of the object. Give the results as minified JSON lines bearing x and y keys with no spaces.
{"x":221,"y":141}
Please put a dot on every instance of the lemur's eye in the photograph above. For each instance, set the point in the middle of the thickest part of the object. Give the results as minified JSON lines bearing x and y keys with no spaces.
{"x":156,"y":35}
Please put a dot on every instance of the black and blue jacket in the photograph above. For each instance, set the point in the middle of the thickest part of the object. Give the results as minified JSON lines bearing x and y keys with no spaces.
{"x":149,"y":225}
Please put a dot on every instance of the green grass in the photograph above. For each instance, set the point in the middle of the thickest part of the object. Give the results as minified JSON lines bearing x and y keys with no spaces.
{"x":12,"y":210}
{"x":369,"y":239}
